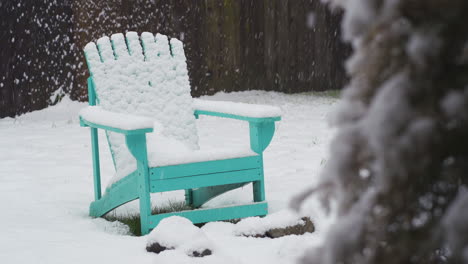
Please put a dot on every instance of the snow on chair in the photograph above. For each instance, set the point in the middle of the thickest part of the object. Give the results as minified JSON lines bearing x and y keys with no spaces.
{"x":136,"y":88}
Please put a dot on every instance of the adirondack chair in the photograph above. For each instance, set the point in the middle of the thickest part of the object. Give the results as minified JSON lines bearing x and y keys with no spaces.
{"x":139,"y":93}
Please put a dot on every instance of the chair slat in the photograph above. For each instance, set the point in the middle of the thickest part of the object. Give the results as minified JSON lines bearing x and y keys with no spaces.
{"x":92,"y":56}
{"x":119,"y":46}
{"x":177,"y":49}
{"x":162,"y":46}
{"x":134,"y":46}
{"x":105,"y":49}
{"x":149,"y":46}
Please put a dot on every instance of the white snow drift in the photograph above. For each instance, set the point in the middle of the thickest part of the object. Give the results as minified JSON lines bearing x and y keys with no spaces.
{"x":46,"y":187}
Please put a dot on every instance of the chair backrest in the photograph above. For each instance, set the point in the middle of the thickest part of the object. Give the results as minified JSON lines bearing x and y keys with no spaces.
{"x":144,"y":76}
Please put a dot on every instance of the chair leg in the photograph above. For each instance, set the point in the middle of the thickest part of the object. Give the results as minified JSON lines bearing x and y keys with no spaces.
{"x":258,"y":191}
{"x":137,"y":146}
{"x":189,"y":197}
{"x":145,"y":213}
{"x":144,"y":198}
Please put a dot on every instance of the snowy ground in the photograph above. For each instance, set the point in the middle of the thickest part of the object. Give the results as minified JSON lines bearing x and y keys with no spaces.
{"x":46,"y":187}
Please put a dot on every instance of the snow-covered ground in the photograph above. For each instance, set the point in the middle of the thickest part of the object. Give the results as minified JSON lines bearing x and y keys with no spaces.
{"x":46,"y":187}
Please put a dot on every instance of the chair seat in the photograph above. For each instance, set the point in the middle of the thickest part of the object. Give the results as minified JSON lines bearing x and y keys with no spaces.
{"x":165,"y":151}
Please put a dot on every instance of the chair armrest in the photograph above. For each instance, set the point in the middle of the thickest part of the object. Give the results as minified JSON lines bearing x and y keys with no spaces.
{"x":248,"y":112}
{"x":95,"y":117}
{"x":261,"y":118}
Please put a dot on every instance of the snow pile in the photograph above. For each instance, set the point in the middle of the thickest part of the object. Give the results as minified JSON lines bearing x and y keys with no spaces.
{"x":240,"y":109}
{"x":112,"y":227}
{"x":179,"y":233}
{"x":166,"y":151}
{"x":253,"y":226}
{"x":97,"y":115}
{"x":46,"y":172}
{"x":454,"y":224}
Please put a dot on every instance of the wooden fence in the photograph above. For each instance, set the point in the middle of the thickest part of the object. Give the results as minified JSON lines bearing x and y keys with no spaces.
{"x":232,"y":45}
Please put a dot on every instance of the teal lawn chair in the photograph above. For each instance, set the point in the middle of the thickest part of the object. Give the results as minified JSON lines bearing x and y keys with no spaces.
{"x":139,"y":93}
